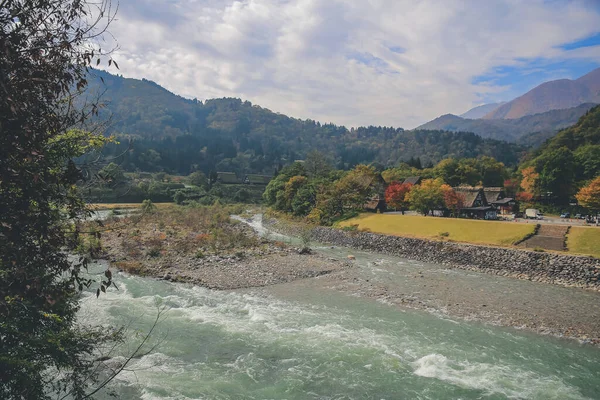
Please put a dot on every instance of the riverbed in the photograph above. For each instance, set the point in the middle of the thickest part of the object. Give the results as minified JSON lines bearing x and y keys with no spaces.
{"x":346,"y":336}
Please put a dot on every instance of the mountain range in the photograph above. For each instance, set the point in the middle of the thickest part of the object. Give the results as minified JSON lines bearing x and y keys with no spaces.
{"x":180,"y":135}
{"x":481,"y":111}
{"x":532,"y":118}
{"x":541,"y":126}
{"x":553,"y":95}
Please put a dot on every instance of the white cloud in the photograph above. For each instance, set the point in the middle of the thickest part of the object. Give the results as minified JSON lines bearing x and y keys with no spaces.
{"x":383,"y":62}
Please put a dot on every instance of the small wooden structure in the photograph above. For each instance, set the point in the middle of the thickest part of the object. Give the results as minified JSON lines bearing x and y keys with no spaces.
{"x":228,"y":178}
{"x":254,"y":179}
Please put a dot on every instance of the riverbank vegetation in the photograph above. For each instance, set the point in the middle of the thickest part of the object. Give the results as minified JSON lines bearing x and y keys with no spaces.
{"x":197,"y":231}
{"x":452,"y":229}
{"x":47,"y":49}
{"x":116,"y":186}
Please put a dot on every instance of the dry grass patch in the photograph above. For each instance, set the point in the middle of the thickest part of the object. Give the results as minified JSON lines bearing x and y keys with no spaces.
{"x":584,"y":240}
{"x":459,"y":230}
{"x":181,"y":231}
{"x":112,"y":206}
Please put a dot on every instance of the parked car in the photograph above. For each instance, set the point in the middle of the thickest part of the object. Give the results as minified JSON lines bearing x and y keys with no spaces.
{"x":579,"y":216}
{"x":565,"y":215}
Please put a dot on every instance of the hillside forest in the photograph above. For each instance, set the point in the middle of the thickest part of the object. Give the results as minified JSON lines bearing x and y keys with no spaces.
{"x":164,"y":143}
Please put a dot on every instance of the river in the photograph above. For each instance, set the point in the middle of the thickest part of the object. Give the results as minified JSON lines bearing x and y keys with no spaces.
{"x":303,"y":341}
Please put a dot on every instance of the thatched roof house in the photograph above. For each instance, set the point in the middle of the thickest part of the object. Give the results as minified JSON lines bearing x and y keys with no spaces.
{"x":228,"y":178}
{"x":413,"y":180}
{"x":254,"y":179}
{"x":475,"y":204}
{"x":496,"y":197}
{"x":376,"y":204}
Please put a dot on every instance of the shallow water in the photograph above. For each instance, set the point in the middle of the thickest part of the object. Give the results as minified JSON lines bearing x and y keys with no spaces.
{"x":298,"y":341}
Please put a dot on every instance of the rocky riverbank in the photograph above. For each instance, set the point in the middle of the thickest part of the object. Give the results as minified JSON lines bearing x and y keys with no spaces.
{"x":565,"y":270}
{"x":206,"y":248}
{"x":439,"y":284}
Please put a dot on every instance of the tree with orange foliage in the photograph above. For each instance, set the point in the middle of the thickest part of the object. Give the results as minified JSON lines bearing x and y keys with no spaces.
{"x":530,"y":181}
{"x":589,"y":196}
{"x":396,"y":195}
{"x":454,"y":201}
{"x":524,"y":196}
{"x":511,"y":186}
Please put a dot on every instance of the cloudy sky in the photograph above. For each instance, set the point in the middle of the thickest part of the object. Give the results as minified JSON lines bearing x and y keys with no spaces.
{"x":357,"y":62}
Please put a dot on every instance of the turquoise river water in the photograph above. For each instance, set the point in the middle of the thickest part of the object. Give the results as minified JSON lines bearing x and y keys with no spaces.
{"x":306,"y":342}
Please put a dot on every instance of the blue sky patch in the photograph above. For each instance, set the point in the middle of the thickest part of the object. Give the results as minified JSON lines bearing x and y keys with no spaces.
{"x":589,"y":41}
{"x":519,"y":79}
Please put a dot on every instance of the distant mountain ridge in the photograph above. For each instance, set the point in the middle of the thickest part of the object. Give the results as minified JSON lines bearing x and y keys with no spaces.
{"x":179,"y":135}
{"x":543,"y":124}
{"x":553,"y":95}
{"x":481,"y":111}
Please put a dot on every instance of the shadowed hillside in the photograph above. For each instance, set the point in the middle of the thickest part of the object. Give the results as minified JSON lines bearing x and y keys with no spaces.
{"x":531,"y":129}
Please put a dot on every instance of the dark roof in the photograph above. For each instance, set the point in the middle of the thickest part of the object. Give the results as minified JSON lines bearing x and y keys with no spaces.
{"x":258,"y":179}
{"x":228,"y":177}
{"x":493,"y":193}
{"x":413,"y":180}
{"x":470,"y":195}
{"x":375,"y":203}
{"x":505,"y":200}
{"x":484,"y":208}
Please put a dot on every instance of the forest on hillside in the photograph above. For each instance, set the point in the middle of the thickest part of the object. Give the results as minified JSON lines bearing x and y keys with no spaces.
{"x":160,"y":131}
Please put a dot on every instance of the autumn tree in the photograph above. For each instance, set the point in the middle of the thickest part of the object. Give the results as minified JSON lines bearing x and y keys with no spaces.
{"x":589,"y":196}
{"x":427,"y":196}
{"x":530,"y":181}
{"x":453,"y":200}
{"x":354,"y":188}
{"x":511,"y":186}
{"x":396,"y":195}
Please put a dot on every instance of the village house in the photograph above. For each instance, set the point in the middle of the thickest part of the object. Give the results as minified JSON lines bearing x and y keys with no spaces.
{"x":228,"y":178}
{"x":496,"y":197}
{"x":254,"y":179}
{"x":413,"y":180}
{"x":475,"y":203}
{"x":376,"y":204}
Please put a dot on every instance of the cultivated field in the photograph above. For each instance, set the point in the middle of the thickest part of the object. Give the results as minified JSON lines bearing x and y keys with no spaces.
{"x":458,"y":230}
{"x":584,"y":240}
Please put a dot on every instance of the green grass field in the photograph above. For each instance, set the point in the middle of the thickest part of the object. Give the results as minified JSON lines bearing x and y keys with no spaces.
{"x":584,"y":241}
{"x":458,"y":230}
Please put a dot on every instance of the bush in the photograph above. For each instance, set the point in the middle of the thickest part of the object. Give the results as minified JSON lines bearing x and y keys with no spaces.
{"x":154,"y":252}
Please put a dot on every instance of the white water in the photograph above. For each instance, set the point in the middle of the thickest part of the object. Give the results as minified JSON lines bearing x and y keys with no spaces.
{"x":309,"y":343}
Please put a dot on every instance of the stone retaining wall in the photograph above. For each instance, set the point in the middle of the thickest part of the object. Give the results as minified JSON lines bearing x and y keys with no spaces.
{"x":566,"y":270}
